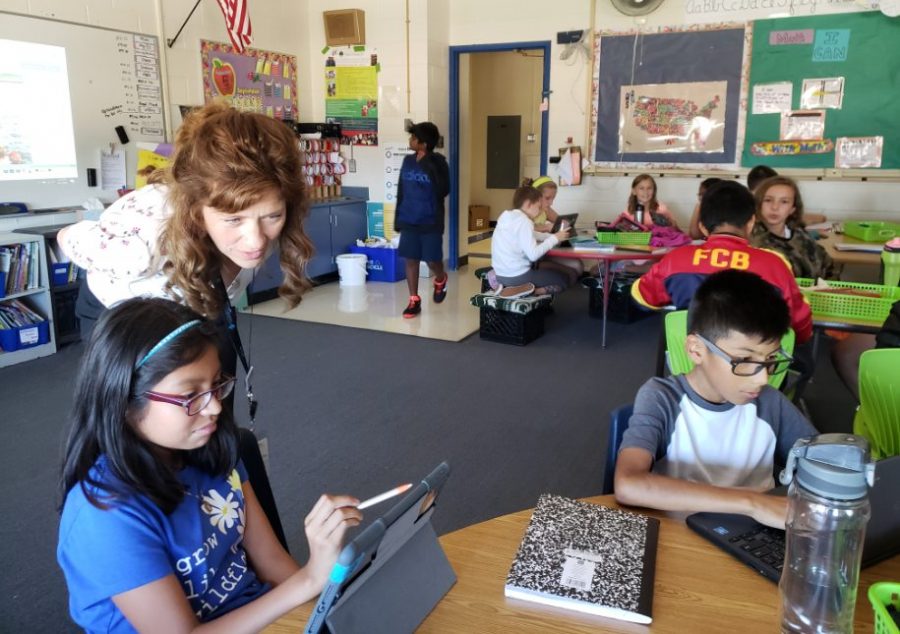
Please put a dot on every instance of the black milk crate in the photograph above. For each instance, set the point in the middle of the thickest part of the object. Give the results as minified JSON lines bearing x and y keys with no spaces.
{"x":506,"y":327}
{"x":621,"y":308}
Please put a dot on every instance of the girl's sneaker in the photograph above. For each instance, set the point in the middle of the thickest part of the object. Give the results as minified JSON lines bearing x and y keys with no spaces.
{"x":414,"y":307}
{"x":513,"y":292}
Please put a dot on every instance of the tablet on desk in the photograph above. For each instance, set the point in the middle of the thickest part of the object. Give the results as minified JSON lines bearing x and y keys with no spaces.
{"x":392,"y":574}
{"x":569,"y":219}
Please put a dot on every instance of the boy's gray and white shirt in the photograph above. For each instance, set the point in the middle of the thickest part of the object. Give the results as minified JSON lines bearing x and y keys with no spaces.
{"x":720,"y":444}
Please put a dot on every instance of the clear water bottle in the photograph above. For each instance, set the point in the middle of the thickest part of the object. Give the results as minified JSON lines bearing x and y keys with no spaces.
{"x":639,"y":213}
{"x":828,"y":509}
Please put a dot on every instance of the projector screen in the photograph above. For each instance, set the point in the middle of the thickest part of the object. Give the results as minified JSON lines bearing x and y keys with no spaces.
{"x":37,"y":140}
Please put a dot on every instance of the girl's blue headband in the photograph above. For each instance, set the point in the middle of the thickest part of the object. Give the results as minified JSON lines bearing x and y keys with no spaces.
{"x":165,"y":340}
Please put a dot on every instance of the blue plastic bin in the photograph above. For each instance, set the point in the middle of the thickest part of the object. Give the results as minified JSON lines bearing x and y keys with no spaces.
{"x":382,"y":264}
{"x":60,"y":274}
{"x":12,"y":339}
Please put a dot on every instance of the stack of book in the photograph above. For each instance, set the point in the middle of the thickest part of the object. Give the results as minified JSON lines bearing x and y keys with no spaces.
{"x":587,"y":558}
{"x":589,"y":243}
{"x":20,"y":266}
{"x":15,"y":314}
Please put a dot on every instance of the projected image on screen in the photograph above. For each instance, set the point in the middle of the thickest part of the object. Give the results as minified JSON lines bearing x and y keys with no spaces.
{"x":36,"y":134}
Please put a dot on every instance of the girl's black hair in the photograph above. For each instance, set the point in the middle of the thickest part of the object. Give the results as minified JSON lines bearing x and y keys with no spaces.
{"x":109,"y":399}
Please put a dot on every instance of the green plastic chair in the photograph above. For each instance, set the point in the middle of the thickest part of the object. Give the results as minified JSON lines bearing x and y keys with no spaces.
{"x":680,"y":363}
{"x":878,"y":416}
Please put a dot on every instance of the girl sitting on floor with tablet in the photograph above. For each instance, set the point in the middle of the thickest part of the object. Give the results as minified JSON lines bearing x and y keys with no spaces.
{"x":160,"y":529}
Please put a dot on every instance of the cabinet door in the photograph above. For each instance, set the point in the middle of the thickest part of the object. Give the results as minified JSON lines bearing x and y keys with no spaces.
{"x":318,"y":228}
{"x":268,"y":277}
{"x":349,"y":225}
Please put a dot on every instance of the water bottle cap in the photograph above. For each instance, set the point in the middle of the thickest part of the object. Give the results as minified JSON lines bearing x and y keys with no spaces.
{"x":830,"y":481}
{"x":893,"y":245}
{"x":834,"y":466}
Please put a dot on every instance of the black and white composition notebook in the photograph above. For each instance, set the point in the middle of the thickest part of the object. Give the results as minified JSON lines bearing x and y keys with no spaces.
{"x":588,"y":558}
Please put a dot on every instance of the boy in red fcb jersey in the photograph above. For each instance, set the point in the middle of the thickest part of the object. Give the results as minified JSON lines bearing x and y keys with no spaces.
{"x":726,"y":216}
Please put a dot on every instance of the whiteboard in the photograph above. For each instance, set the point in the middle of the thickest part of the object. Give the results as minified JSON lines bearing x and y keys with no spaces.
{"x":114,"y":79}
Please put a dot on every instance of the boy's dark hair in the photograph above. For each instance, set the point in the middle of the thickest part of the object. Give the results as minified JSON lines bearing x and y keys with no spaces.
{"x":706,"y":183}
{"x":758,"y":174}
{"x":741,"y":302}
{"x":525,"y":193}
{"x":109,"y":399}
{"x":726,"y":203}
{"x":426,"y":132}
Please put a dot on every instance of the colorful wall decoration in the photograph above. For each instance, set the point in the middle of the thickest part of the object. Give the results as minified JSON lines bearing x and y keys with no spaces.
{"x":252,"y":81}
{"x":351,"y":93}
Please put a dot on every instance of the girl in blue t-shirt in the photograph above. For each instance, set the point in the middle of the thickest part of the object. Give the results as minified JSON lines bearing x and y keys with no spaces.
{"x":160,"y":529}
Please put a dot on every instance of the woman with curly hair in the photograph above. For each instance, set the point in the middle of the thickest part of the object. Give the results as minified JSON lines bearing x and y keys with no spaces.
{"x":231,"y":195}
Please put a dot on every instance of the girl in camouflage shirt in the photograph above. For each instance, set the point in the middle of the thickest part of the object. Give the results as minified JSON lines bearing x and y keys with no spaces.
{"x":779,"y":227}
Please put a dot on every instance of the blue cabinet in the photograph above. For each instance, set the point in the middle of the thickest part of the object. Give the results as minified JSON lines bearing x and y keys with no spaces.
{"x":332,"y":226}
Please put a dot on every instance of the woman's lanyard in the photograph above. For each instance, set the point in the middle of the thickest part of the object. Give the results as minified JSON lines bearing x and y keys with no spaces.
{"x":230,"y":315}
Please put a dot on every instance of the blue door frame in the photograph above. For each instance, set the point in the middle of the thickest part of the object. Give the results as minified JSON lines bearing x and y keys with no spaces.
{"x":455,"y":52}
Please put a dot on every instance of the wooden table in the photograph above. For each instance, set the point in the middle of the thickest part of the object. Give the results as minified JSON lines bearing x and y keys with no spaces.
{"x":603,"y":259}
{"x":831,"y":241}
{"x":698,"y":588}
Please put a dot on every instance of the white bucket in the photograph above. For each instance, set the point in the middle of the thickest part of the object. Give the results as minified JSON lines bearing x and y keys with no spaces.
{"x":352,"y":269}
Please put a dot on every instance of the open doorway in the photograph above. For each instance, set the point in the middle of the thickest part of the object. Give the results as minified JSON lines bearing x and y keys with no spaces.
{"x":498,"y":135}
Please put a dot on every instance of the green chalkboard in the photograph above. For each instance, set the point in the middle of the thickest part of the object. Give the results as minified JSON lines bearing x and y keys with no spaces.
{"x":862,"y":48}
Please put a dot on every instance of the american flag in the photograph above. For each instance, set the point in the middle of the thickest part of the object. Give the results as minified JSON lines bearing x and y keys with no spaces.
{"x":237,"y":21}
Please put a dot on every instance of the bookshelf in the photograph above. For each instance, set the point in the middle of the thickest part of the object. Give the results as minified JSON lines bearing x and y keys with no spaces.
{"x":63,"y":287}
{"x":37,"y":299}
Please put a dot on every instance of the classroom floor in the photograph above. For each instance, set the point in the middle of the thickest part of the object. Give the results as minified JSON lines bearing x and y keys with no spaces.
{"x":378,"y":306}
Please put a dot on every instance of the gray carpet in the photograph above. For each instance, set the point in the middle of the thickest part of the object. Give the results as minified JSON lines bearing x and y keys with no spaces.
{"x":360,"y":411}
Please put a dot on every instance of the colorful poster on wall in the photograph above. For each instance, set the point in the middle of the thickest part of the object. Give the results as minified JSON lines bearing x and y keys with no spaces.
{"x":151,"y":157}
{"x":676,"y":117}
{"x":252,"y":81}
{"x":351,"y":93}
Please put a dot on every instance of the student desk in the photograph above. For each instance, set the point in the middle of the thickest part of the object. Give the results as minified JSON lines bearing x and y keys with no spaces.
{"x":603,"y":259}
{"x":821,"y":324}
{"x":831,"y":241}
{"x":698,"y":587}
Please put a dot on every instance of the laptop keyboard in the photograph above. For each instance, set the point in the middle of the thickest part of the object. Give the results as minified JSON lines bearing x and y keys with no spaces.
{"x":764,"y":543}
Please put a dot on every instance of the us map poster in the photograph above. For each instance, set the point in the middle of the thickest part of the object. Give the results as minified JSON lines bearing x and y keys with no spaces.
{"x":253,"y":81}
{"x":676,"y":117}
{"x":351,"y":93}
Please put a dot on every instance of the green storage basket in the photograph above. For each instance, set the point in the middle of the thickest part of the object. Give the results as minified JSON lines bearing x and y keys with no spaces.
{"x":874,"y":309}
{"x":623,"y":237}
{"x":881,"y":595}
{"x":871,"y":231}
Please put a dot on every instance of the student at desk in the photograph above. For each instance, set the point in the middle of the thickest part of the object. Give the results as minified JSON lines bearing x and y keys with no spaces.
{"x":727,"y":217}
{"x":710,"y":440}
{"x":543,"y":225}
{"x":514,"y":247}
{"x":780,"y":228}
{"x":161,"y":529}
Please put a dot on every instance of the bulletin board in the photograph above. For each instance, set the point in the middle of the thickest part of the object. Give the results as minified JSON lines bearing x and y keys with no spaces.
{"x":668,"y":98}
{"x":254,"y":80}
{"x":849,"y":66}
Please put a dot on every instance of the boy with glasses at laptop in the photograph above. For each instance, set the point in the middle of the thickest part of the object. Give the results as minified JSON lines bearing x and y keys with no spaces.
{"x":710,"y":440}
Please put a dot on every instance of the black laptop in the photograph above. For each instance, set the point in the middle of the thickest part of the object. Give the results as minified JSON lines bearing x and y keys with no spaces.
{"x":762,"y":547}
